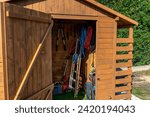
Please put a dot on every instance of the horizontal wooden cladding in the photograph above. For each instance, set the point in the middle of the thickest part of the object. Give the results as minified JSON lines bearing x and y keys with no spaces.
{"x":124,"y":40}
{"x":106,"y":19}
{"x":125,"y":64}
{"x":124,"y":48}
{"x":104,"y":56}
{"x":104,"y":41}
{"x":107,"y":66}
{"x":106,"y":94}
{"x":103,"y":61}
{"x":27,"y":17}
{"x":105,"y":51}
{"x":123,"y":96}
{"x":124,"y":56}
{"x":123,"y":88}
{"x":104,"y":84}
{"x":105,"y":46}
{"x":106,"y":25}
{"x":128,"y":79}
{"x":105,"y":35}
{"x":107,"y":71}
{"x":106,"y":30}
{"x":75,"y":17}
{"x":105,"y":76}
{"x":124,"y":72}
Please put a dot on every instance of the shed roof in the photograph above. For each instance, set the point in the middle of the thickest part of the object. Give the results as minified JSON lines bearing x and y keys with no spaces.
{"x":111,"y":11}
{"x":126,"y":20}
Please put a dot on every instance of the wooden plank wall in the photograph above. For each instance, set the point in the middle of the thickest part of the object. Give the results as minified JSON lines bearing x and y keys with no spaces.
{"x":1,"y":58}
{"x":106,"y":44}
{"x":25,"y":29}
{"x":123,"y":66}
{"x":70,"y":7}
{"x":1,"y":82}
{"x":105,"y":58}
{"x":59,"y":56}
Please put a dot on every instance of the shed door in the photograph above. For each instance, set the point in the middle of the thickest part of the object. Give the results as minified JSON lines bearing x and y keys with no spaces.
{"x":27,"y":52}
{"x":105,"y":58}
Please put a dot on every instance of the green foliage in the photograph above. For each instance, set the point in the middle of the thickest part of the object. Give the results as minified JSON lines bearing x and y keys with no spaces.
{"x":138,"y":10}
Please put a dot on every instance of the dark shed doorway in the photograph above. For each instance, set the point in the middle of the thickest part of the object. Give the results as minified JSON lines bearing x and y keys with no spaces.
{"x":66,"y":44}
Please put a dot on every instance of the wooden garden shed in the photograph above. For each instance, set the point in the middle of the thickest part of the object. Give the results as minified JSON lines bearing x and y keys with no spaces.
{"x":29,"y":63}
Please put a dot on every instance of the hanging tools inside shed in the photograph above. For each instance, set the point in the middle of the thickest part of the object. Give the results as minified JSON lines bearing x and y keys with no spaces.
{"x":77,"y":47}
{"x":61,"y":34}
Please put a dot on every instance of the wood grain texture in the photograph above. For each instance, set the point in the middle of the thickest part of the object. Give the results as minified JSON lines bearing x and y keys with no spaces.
{"x":3,"y":54}
{"x":127,"y":79}
{"x":1,"y":58}
{"x":124,"y":64}
{"x":105,"y":58}
{"x":124,"y":76}
{"x":23,"y":38}
{"x":68,"y":7}
{"x":124,"y":48}
{"x":124,"y":40}
{"x":123,"y":88}
{"x":31,"y":27}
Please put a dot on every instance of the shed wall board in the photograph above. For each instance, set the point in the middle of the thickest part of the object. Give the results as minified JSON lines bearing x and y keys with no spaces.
{"x":70,"y":7}
{"x":105,"y":58}
{"x":1,"y":57}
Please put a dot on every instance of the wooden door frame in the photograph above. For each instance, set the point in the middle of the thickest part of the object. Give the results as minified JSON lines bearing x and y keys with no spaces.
{"x":78,"y":17}
{"x":74,"y":17}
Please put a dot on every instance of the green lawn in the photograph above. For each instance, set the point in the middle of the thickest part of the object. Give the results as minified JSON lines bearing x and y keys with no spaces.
{"x":141,"y":87}
{"x":69,"y":96}
{"x":142,"y":93}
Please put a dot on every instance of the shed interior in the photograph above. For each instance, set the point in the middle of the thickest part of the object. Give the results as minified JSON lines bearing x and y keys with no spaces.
{"x":66,"y":46}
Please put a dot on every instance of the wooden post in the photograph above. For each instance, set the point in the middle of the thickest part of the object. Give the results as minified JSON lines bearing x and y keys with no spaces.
{"x":4,"y":50}
{"x":130,"y":52}
{"x":114,"y":54}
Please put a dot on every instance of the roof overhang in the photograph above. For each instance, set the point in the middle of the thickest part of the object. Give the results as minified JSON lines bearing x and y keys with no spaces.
{"x":123,"y":20}
{"x":122,"y":17}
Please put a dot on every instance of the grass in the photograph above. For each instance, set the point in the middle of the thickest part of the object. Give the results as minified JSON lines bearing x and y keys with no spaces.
{"x":69,"y":96}
{"x":141,"y":88}
{"x":141,"y":92}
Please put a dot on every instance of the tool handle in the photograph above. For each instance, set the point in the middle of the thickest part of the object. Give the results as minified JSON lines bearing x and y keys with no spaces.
{"x":64,"y":43}
{"x":76,"y":46}
{"x":66,"y":67}
{"x":57,"y":44}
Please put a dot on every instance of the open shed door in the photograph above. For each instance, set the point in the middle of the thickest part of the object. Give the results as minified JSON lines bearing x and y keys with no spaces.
{"x":27,"y":55}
